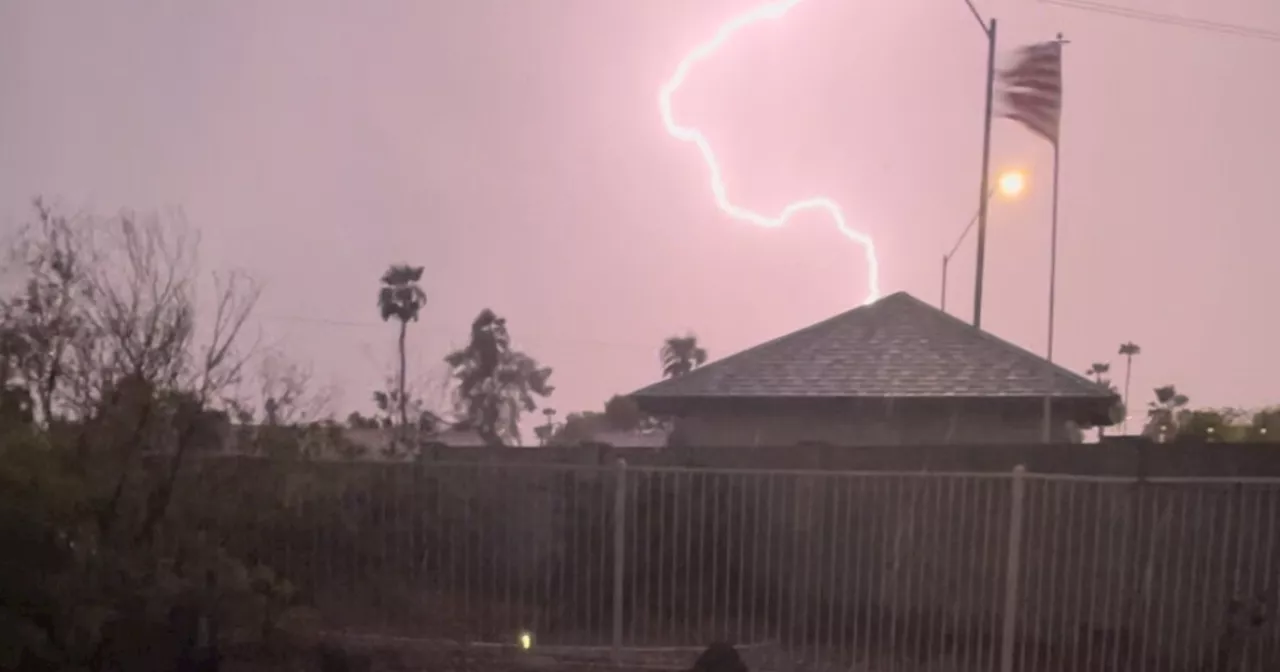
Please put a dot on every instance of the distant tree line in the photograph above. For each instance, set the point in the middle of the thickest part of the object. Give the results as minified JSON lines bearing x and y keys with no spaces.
{"x":493,"y":384}
{"x":1170,"y":417}
{"x":678,"y":356}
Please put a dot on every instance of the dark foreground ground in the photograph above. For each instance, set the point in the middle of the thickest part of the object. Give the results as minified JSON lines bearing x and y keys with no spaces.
{"x":337,"y":653}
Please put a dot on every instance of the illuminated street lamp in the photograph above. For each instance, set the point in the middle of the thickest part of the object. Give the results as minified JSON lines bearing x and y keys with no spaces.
{"x":1010,"y":184}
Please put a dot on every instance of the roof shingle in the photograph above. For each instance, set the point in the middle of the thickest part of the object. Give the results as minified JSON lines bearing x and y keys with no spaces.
{"x":898,"y":346}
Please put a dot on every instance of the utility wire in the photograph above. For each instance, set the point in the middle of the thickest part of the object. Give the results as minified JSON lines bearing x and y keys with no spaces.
{"x":1232,"y":29}
{"x":352,"y":324}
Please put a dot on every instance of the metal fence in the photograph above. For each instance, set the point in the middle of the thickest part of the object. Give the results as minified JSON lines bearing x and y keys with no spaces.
{"x":841,"y":570}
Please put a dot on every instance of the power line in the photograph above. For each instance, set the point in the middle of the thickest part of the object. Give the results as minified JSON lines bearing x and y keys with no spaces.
{"x":1148,"y":16}
{"x":353,"y":324}
{"x":320,"y":320}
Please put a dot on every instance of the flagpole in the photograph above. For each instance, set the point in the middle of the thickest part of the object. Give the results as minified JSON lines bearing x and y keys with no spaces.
{"x":1053,"y":280}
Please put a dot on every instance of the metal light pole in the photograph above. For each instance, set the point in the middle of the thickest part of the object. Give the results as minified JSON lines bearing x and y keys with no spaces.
{"x":988,"y":29}
{"x":1010,"y":184}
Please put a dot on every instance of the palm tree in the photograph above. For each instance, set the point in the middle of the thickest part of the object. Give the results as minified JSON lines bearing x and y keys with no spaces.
{"x":1128,"y":350}
{"x":547,"y":432}
{"x":680,"y":355}
{"x":1099,"y":370}
{"x":401,"y":297}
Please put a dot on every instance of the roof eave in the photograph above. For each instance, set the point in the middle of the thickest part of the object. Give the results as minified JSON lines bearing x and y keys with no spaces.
{"x":1089,"y":410}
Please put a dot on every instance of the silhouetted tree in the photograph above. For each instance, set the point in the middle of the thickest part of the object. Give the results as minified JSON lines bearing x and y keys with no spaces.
{"x":401,"y":297}
{"x":44,"y":321}
{"x":1128,"y":350}
{"x":1162,"y":414}
{"x":1265,"y":425}
{"x":1099,"y":371}
{"x":680,"y":355}
{"x":495,"y":384}
{"x":356,"y":420}
{"x":623,"y":413}
{"x":104,"y":362}
{"x":1207,"y":424}
{"x":547,"y":430}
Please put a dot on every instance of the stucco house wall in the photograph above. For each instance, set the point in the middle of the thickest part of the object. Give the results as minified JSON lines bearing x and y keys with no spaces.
{"x":933,"y":426}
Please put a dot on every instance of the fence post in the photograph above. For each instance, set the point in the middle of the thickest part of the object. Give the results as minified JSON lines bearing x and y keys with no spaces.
{"x":1013,"y":568}
{"x":619,"y":553}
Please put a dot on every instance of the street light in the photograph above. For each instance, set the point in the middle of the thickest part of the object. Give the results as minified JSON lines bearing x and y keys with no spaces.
{"x":1010,"y":184}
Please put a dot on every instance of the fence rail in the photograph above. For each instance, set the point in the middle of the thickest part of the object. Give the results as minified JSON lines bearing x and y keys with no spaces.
{"x":847,"y":570}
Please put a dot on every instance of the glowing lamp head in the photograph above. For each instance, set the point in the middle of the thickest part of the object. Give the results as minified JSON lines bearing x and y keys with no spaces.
{"x":1011,"y":183}
{"x":526,"y":640}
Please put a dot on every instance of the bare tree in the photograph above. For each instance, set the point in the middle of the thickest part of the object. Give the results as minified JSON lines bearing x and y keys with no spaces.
{"x":142,"y":310}
{"x":424,"y":399}
{"x":289,"y":393}
{"x":41,"y":321}
{"x":107,"y":345}
{"x":118,"y":360}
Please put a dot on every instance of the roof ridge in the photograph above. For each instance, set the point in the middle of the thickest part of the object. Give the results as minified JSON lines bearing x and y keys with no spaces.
{"x":1018,"y":349}
{"x":945,"y":335}
{"x":701,"y":371}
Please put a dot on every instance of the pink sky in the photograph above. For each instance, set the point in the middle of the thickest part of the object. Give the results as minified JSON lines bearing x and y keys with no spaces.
{"x":315,"y":141}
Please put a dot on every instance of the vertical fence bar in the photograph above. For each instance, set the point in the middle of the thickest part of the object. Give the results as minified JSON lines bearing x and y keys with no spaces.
{"x":1013,"y":568}
{"x":619,"y":553}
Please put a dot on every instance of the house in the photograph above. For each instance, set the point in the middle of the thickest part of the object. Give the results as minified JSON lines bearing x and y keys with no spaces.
{"x":321,"y":441}
{"x":650,"y":437}
{"x":374,"y":442}
{"x":897,"y":371}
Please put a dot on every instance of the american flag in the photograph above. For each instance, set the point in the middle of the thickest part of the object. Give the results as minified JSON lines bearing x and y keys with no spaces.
{"x":1032,"y":89}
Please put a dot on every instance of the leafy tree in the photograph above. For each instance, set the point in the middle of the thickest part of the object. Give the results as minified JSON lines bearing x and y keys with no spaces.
{"x":621,"y":414}
{"x":495,"y":384}
{"x":1264,"y":426}
{"x":680,"y":355}
{"x":1162,"y":413}
{"x":1128,"y":350}
{"x":624,"y":414}
{"x":1207,"y":424}
{"x":357,"y":420}
{"x":401,"y":297}
{"x":577,"y":428}
{"x":1227,"y":425}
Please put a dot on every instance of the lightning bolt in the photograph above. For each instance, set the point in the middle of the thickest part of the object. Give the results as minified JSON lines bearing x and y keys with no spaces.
{"x":769,"y":11}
